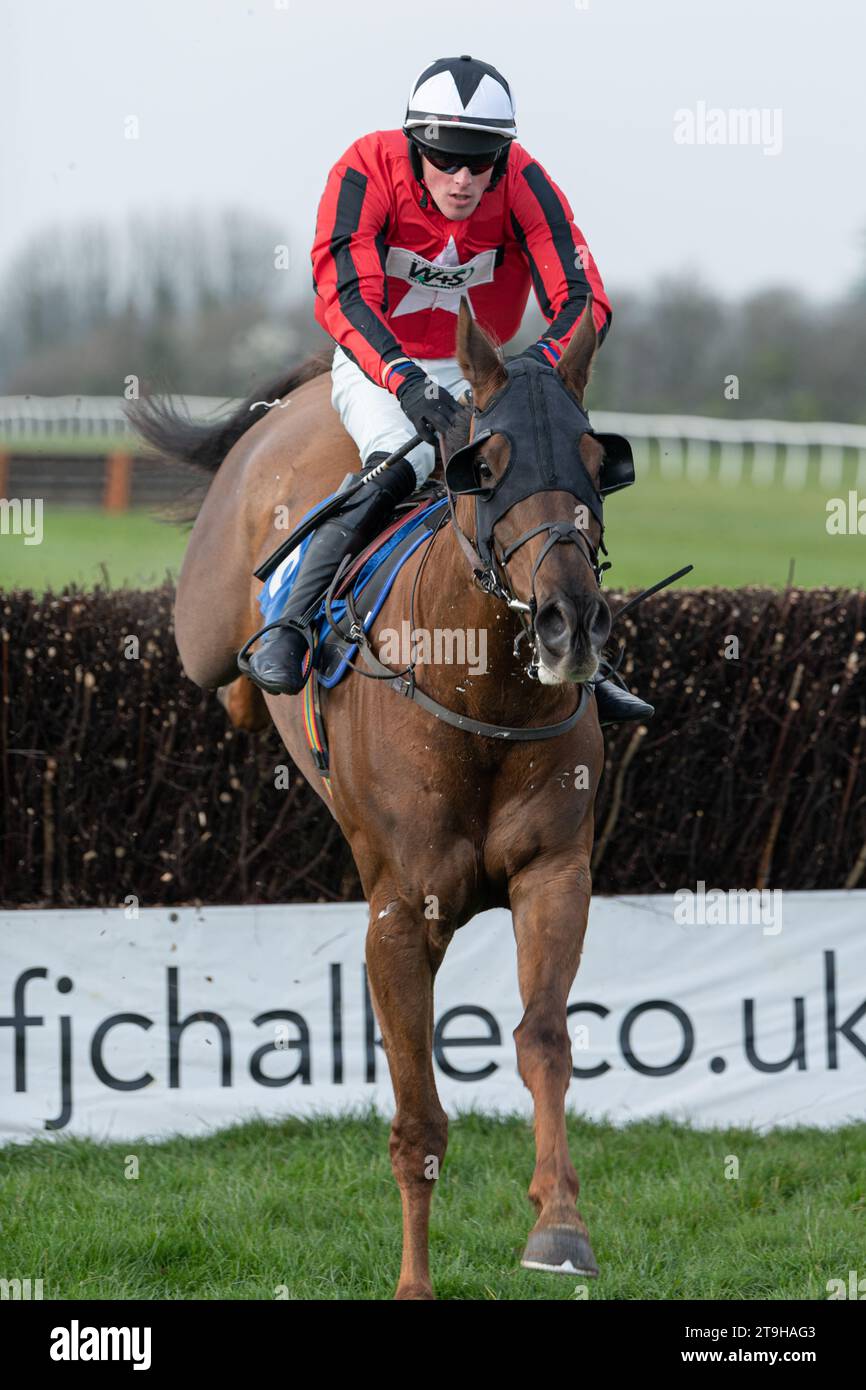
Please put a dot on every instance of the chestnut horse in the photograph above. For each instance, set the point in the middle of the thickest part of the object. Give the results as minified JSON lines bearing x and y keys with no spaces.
{"x":431,"y":812}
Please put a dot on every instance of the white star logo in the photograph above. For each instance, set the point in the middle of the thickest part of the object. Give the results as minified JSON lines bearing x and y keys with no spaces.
{"x":421,"y":297}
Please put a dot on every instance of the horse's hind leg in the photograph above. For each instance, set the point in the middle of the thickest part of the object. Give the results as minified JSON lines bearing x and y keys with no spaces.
{"x":404,"y":951}
{"x":244,"y":704}
{"x":550,"y":911}
{"x":214,"y":611}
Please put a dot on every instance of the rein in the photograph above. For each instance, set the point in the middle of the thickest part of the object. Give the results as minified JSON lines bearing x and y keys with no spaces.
{"x":403,"y":683}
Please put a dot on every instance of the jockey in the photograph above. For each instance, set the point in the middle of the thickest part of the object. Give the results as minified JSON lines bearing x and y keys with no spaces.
{"x":411,"y":221}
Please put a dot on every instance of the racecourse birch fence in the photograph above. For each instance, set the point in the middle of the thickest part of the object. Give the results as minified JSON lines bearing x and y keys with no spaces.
{"x":121,"y":780}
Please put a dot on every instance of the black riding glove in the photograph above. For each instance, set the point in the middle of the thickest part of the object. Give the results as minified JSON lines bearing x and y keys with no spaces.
{"x":427,"y":404}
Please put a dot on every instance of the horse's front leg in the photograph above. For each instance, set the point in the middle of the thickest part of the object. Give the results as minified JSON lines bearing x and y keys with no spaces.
{"x":550,"y":903}
{"x":404,"y":951}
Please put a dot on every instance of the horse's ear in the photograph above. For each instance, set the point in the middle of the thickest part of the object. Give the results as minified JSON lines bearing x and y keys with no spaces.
{"x":576,"y":362}
{"x":479,"y":358}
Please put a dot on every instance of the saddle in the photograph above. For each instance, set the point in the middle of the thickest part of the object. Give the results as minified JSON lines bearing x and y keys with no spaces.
{"x":370,"y":578}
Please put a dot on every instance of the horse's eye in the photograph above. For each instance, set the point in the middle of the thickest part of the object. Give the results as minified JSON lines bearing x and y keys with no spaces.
{"x":485,"y":472}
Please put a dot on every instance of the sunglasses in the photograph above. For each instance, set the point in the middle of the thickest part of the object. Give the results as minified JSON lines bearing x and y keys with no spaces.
{"x":449,"y":163}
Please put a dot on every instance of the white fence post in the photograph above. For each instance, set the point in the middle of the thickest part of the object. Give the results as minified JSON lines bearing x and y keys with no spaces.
{"x":697,"y":460}
{"x":830,"y":465}
{"x":670,"y":457}
{"x":764,"y":464}
{"x":731,"y":463}
{"x":796,"y":466}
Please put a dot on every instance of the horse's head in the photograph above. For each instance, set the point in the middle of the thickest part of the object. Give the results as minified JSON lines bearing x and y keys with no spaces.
{"x":532,"y":475}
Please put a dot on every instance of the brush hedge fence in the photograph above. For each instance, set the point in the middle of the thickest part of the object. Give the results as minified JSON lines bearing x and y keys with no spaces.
{"x":120,"y":778}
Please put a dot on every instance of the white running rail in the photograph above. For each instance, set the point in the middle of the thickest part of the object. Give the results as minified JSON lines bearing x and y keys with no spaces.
{"x":766,"y":453}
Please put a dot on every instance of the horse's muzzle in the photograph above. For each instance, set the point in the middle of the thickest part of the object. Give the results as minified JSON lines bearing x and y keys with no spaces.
{"x":571,"y":632}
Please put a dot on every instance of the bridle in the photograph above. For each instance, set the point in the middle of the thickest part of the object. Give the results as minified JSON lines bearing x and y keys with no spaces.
{"x":544,"y":424}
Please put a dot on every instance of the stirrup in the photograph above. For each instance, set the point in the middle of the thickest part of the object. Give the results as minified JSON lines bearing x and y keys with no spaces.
{"x":298,"y":625}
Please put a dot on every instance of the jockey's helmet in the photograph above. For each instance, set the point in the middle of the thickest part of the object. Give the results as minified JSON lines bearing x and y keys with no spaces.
{"x":461,"y":106}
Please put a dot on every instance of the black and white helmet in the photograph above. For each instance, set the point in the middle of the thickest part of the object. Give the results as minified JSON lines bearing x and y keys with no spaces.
{"x":461,"y":105}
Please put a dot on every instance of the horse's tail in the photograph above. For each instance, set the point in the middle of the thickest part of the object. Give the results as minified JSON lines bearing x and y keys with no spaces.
{"x":175,"y":435}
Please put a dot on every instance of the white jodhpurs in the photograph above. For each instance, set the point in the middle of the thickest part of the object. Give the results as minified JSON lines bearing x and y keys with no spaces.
{"x":373,"y":416}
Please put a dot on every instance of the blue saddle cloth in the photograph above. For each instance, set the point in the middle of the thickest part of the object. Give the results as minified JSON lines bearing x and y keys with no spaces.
{"x":370,"y":588}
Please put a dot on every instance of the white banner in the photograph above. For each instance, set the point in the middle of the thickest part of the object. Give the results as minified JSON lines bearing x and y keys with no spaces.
{"x":182,"y":1020}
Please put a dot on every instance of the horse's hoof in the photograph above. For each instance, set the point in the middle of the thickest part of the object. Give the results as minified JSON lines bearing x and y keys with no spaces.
{"x":417,"y":1293}
{"x":560,"y":1250}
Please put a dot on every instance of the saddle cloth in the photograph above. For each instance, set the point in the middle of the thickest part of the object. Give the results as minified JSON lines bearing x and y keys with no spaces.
{"x":371,"y":577}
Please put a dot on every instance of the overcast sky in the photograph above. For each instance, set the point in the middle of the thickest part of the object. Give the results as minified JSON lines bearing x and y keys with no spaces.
{"x":249,"y":102}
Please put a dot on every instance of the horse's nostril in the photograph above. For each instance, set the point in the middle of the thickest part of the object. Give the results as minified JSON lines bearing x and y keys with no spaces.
{"x":573,"y":629}
{"x":554,"y":625}
{"x":600,"y":629}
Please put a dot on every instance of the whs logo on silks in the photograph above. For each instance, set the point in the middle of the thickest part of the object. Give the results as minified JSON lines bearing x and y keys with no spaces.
{"x":445,"y":273}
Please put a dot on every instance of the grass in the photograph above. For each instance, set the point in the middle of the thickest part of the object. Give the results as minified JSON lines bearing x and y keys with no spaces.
{"x":88,"y":546}
{"x":733,"y":536}
{"x":312,"y":1205}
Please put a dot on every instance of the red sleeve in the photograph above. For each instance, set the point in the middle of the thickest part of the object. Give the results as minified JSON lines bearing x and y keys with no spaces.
{"x":348,"y":274}
{"x":560,"y":262}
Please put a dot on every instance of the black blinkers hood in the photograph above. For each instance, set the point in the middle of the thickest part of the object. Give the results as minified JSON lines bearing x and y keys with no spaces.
{"x":543,"y":423}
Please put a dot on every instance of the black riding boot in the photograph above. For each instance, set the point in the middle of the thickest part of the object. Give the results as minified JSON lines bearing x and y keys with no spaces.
{"x":616,"y":704}
{"x":277,"y":666}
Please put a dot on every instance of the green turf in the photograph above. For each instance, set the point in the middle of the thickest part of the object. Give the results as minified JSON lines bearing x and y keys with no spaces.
{"x":312,"y":1206}
{"x":89,"y":546}
{"x":733,"y":536}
